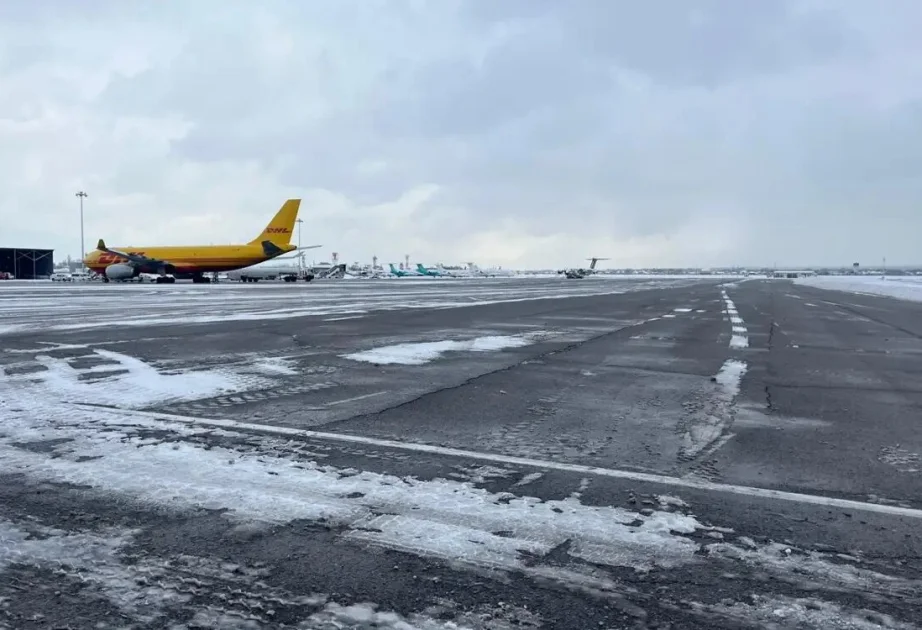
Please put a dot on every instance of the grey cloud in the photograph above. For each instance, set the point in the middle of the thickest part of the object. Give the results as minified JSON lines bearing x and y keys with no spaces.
{"x":643,"y":119}
{"x":707,"y":42}
{"x":529,"y":72}
{"x":857,"y":147}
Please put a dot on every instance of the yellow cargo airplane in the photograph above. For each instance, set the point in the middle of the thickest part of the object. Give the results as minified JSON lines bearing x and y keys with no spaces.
{"x":193,"y":261}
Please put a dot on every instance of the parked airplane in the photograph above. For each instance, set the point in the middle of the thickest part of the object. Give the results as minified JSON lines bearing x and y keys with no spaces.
{"x":194,"y":261}
{"x":454,"y":271}
{"x":287,"y":268}
{"x":400,"y":273}
{"x":576,"y":274}
{"x":434,"y":272}
{"x":493,"y":272}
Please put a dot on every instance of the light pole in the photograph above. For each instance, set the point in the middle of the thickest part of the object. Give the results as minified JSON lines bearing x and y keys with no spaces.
{"x":82,"y":196}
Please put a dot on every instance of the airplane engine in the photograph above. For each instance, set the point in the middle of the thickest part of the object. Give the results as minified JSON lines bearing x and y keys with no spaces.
{"x":121,"y":272}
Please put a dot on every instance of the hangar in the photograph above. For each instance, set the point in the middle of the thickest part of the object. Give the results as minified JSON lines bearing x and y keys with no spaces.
{"x":794,"y":273}
{"x":25,"y":263}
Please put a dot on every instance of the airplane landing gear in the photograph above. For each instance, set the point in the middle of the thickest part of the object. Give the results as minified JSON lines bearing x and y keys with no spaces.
{"x":199,"y":279}
{"x":165,"y":280}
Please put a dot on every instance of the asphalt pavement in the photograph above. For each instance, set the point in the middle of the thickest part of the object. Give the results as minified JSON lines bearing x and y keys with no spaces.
{"x":506,"y":453}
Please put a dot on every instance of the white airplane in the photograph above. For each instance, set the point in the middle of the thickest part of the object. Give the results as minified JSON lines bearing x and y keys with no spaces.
{"x":287,"y":268}
{"x":492,"y":272}
{"x":454,"y":272}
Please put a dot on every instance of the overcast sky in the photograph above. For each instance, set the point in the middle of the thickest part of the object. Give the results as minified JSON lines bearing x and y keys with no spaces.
{"x":525,"y":133}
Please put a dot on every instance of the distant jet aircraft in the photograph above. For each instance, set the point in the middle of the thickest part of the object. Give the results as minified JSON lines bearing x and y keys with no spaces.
{"x":169,"y":263}
{"x":575,"y":274}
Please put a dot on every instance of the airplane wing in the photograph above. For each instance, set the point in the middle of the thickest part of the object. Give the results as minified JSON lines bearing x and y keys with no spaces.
{"x":132,"y":258}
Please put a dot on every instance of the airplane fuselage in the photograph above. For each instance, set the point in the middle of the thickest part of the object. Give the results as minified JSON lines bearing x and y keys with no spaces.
{"x":192,"y":260}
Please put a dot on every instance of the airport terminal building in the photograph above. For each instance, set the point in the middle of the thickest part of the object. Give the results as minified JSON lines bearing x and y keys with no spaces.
{"x":25,"y":263}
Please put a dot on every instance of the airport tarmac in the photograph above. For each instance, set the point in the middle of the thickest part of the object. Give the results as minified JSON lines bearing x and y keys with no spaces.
{"x":505,"y":453}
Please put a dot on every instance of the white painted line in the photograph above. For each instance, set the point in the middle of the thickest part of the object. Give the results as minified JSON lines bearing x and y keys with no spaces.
{"x":738,"y":338}
{"x":353,"y":399}
{"x":696,"y":484}
{"x":585,"y":318}
{"x":342,"y":319}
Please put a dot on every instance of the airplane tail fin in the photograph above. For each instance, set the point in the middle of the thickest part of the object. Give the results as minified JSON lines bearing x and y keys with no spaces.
{"x":281,"y":227}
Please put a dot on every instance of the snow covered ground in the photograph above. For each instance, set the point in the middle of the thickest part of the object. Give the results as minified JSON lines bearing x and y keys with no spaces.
{"x":30,"y":306}
{"x":246,"y":478}
{"x":55,"y":432}
{"x":903,"y":288}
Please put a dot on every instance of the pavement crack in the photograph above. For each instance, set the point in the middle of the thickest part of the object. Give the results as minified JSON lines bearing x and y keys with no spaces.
{"x":878,"y":320}
{"x":472,"y":380}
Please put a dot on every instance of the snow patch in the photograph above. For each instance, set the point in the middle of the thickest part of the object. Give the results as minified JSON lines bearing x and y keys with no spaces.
{"x":448,"y":519}
{"x":682,"y":310}
{"x":812,"y":568}
{"x":276,"y":365}
{"x":666,"y":500}
{"x":709,"y":415}
{"x":903,"y":460}
{"x":902,"y":288}
{"x":806,"y":613}
{"x":730,"y":375}
{"x":583,"y":486}
{"x":367,"y":615}
{"x":126,"y":381}
{"x":425,"y":352}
